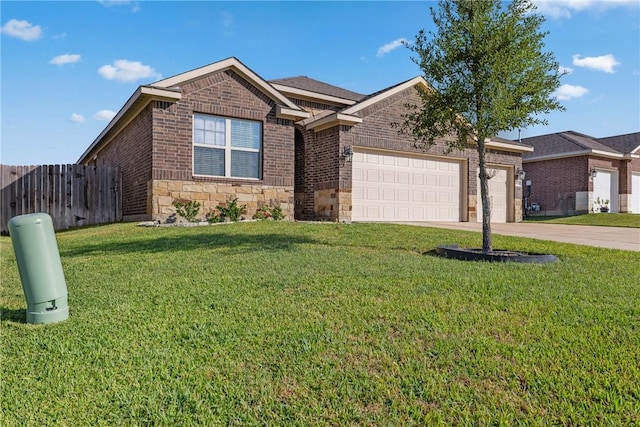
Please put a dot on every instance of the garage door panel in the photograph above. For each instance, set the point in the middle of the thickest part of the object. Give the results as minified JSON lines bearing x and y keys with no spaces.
{"x":388,"y":177}
{"x":372,"y":211}
{"x":388,"y":212}
{"x":357,"y":174}
{"x":405,"y":188}
{"x":635,"y":193}
{"x":372,"y":175}
{"x":498,"y":190}
{"x":403,"y":213}
{"x":373,"y":194}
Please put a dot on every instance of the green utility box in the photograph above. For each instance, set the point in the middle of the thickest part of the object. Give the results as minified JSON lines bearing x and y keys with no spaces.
{"x":40,"y":268}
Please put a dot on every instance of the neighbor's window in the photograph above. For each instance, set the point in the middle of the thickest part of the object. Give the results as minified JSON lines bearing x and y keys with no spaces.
{"x":226,"y":147}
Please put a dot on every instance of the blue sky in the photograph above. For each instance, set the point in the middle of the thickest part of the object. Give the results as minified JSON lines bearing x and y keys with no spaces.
{"x":68,"y":67}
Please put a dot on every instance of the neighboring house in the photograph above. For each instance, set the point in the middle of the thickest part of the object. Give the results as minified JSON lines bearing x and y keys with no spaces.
{"x":569,"y":172}
{"x":318,"y":151}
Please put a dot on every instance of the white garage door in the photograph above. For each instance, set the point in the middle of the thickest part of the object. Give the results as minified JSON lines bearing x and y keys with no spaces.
{"x":395,"y":187}
{"x":605,"y":187}
{"x":635,"y":193}
{"x":498,"y":192}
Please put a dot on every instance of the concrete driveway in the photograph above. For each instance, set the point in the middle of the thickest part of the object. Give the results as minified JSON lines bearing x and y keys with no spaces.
{"x":604,"y":237}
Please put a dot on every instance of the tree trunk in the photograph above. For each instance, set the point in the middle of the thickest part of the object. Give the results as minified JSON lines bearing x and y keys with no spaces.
{"x":486,"y":202}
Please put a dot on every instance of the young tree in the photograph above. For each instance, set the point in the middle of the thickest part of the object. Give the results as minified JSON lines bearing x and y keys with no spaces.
{"x":488,"y":73}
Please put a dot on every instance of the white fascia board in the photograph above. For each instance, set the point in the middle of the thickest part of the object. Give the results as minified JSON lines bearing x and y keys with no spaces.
{"x":160,"y":94}
{"x":503,"y":146}
{"x":636,"y":150}
{"x":307,"y":94}
{"x":240,"y":68}
{"x":573,"y":154}
{"x":288,"y":113}
{"x":632,"y":156}
{"x":607,"y":154}
{"x":140,"y":99}
{"x":364,"y":104}
{"x":333,"y":120}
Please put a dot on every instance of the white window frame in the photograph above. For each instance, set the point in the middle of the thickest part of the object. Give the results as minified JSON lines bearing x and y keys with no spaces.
{"x":227,"y":147}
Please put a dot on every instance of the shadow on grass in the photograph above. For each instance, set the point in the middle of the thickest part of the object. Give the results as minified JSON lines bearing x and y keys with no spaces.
{"x":229,"y":242}
{"x":18,"y":316}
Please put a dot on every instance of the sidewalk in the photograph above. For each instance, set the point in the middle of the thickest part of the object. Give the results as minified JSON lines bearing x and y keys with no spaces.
{"x":604,"y":237}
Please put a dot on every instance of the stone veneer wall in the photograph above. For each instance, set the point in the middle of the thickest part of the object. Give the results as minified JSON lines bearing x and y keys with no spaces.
{"x":211,"y":194}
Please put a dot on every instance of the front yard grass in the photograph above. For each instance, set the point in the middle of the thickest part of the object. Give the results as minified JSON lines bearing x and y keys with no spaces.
{"x":601,"y":219}
{"x":271,"y":323}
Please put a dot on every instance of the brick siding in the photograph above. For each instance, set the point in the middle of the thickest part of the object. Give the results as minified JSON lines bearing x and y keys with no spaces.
{"x":157,"y":145}
{"x":131,"y":150}
{"x":564,"y":187}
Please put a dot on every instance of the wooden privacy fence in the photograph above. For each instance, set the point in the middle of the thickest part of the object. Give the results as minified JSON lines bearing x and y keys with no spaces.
{"x":73,"y":195}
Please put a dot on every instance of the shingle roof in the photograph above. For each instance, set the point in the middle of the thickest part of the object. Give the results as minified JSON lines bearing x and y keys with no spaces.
{"x":306,"y":83}
{"x":564,"y":142}
{"x":625,"y":144}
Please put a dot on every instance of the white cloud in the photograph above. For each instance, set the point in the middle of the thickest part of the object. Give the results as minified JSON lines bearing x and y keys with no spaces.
{"x":77,"y":118}
{"x":23,"y":30}
{"x":127,"y":71}
{"x":227,"y":19}
{"x":604,"y":63}
{"x":105,"y":115}
{"x":565,"y":70}
{"x":65,"y":59}
{"x":135,"y":7}
{"x":383,"y":50}
{"x":563,"y":8}
{"x":567,"y":92}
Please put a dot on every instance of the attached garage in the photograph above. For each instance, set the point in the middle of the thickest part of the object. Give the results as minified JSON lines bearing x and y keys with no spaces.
{"x":498,"y":195}
{"x":390,"y":187}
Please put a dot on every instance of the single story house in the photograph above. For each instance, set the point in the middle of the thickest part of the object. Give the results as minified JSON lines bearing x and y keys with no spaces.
{"x":318,"y":151}
{"x":569,"y":173}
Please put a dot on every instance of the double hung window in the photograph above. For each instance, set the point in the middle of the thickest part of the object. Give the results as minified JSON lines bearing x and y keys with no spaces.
{"x":226,"y":147}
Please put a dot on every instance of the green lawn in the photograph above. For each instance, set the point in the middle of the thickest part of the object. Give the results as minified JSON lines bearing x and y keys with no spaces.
{"x":322,"y":324}
{"x":601,"y":219}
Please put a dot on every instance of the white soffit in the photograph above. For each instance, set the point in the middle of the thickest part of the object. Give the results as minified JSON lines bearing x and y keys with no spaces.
{"x":333,"y":120}
{"x":505,"y":146}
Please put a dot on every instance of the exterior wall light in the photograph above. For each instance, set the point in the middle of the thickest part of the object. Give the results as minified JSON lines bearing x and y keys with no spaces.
{"x":347,"y":153}
{"x":520,"y":174}
{"x":594,"y":173}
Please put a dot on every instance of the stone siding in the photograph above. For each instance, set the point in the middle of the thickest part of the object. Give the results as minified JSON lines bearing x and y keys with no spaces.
{"x":211,"y":194}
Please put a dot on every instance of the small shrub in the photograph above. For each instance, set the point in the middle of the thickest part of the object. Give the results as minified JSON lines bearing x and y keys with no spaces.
{"x":232,"y":211}
{"x":187,"y":209}
{"x":276,"y":213}
{"x":264,"y":212}
{"x":212,"y":217}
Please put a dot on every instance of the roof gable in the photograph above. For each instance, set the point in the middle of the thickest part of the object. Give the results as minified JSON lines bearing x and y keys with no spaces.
{"x":626,"y":144}
{"x":315,"y":89}
{"x":567,"y":144}
{"x":169,"y":90}
{"x":242,"y":70}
